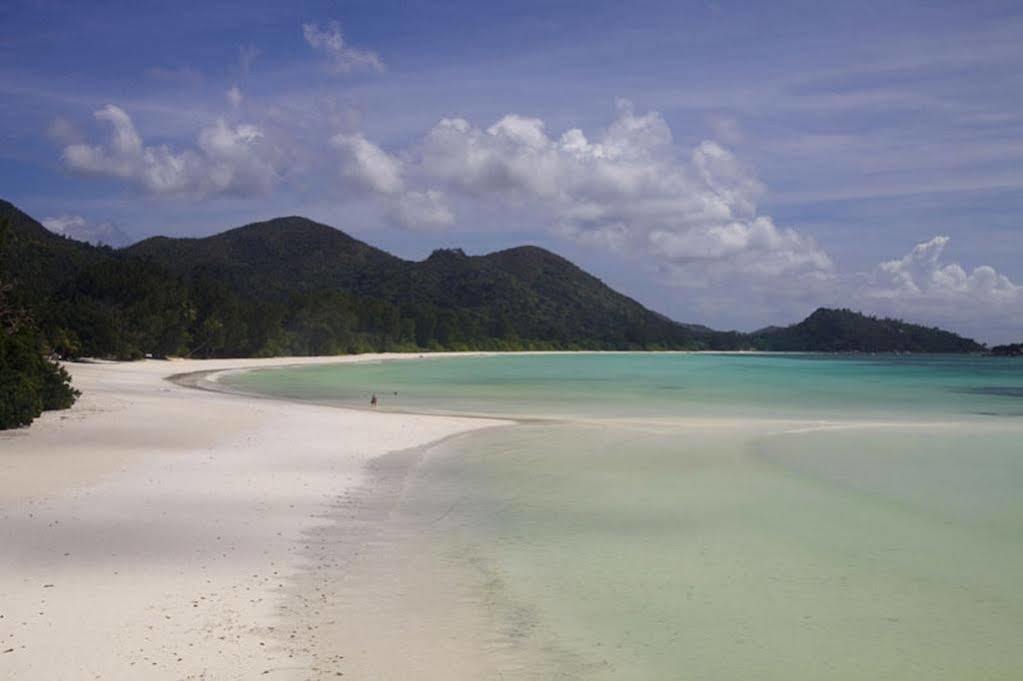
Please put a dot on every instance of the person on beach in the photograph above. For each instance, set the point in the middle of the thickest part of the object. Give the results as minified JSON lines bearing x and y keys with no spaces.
{"x":373,"y":400}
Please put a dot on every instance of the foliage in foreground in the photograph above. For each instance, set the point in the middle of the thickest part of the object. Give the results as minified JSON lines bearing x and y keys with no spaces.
{"x":29,"y":382}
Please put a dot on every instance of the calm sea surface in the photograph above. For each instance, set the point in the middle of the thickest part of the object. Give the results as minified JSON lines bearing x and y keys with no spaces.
{"x":672,"y":516}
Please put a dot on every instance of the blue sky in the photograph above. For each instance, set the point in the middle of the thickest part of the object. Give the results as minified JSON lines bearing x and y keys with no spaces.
{"x":722,"y":163}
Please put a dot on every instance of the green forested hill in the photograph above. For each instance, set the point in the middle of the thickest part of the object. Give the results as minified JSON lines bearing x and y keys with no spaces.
{"x":521,"y":297}
{"x":294,"y":286}
{"x":522,"y":294}
{"x":275,"y":258}
{"x":30,"y":382}
{"x":37,"y":257}
{"x":828,"y":330}
{"x":1008,"y":350}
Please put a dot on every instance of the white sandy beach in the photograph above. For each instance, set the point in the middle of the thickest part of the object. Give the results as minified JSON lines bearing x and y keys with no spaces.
{"x":161,"y":532}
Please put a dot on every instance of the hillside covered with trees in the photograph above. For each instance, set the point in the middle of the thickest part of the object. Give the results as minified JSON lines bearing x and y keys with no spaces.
{"x":829,"y":330}
{"x":30,"y":382}
{"x":291,"y":286}
{"x":294,"y":286}
{"x":1008,"y":350}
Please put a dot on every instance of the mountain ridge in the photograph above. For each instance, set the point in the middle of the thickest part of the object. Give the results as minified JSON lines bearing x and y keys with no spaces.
{"x":527,"y":287}
{"x":294,"y":285}
{"x":843,"y":330}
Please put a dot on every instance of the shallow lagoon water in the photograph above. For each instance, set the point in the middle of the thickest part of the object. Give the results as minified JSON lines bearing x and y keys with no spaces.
{"x":663,"y":384}
{"x":715,"y":516}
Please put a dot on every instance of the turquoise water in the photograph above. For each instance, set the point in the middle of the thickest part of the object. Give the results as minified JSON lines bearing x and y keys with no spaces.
{"x":637,"y":384}
{"x":719,"y":516}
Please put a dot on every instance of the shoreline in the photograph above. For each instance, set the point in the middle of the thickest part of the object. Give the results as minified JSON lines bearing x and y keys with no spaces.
{"x":169,"y":524}
{"x":208,"y":380}
{"x":155,"y":530}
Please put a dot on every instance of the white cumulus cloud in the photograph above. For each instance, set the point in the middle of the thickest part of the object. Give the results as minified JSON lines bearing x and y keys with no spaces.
{"x":422,"y":210}
{"x":227,"y":160}
{"x":78,"y":228}
{"x":923,"y":286}
{"x":629,"y":189}
{"x":367,"y":165}
{"x":921,"y":280}
{"x":341,"y":57}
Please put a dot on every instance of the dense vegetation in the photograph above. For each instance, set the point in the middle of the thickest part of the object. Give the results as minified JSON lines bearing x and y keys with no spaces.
{"x":29,"y":381}
{"x":828,"y":330}
{"x":291,"y":286}
{"x":1010,"y":350}
{"x":524,"y":298}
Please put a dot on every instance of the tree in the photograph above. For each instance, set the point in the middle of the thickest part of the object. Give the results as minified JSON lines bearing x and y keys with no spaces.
{"x":29,"y":382}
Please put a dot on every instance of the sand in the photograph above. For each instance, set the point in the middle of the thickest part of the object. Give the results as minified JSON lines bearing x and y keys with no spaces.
{"x":161,"y":532}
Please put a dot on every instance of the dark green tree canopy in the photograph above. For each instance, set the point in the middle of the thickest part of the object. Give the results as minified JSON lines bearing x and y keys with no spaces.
{"x":29,"y":381}
{"x":294,"y":286}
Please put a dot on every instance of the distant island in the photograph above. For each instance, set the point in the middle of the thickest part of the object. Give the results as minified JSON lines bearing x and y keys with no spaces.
{"x":828,"y":330}
{"x":292,"y":286}
{"x":1010,"y":350}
